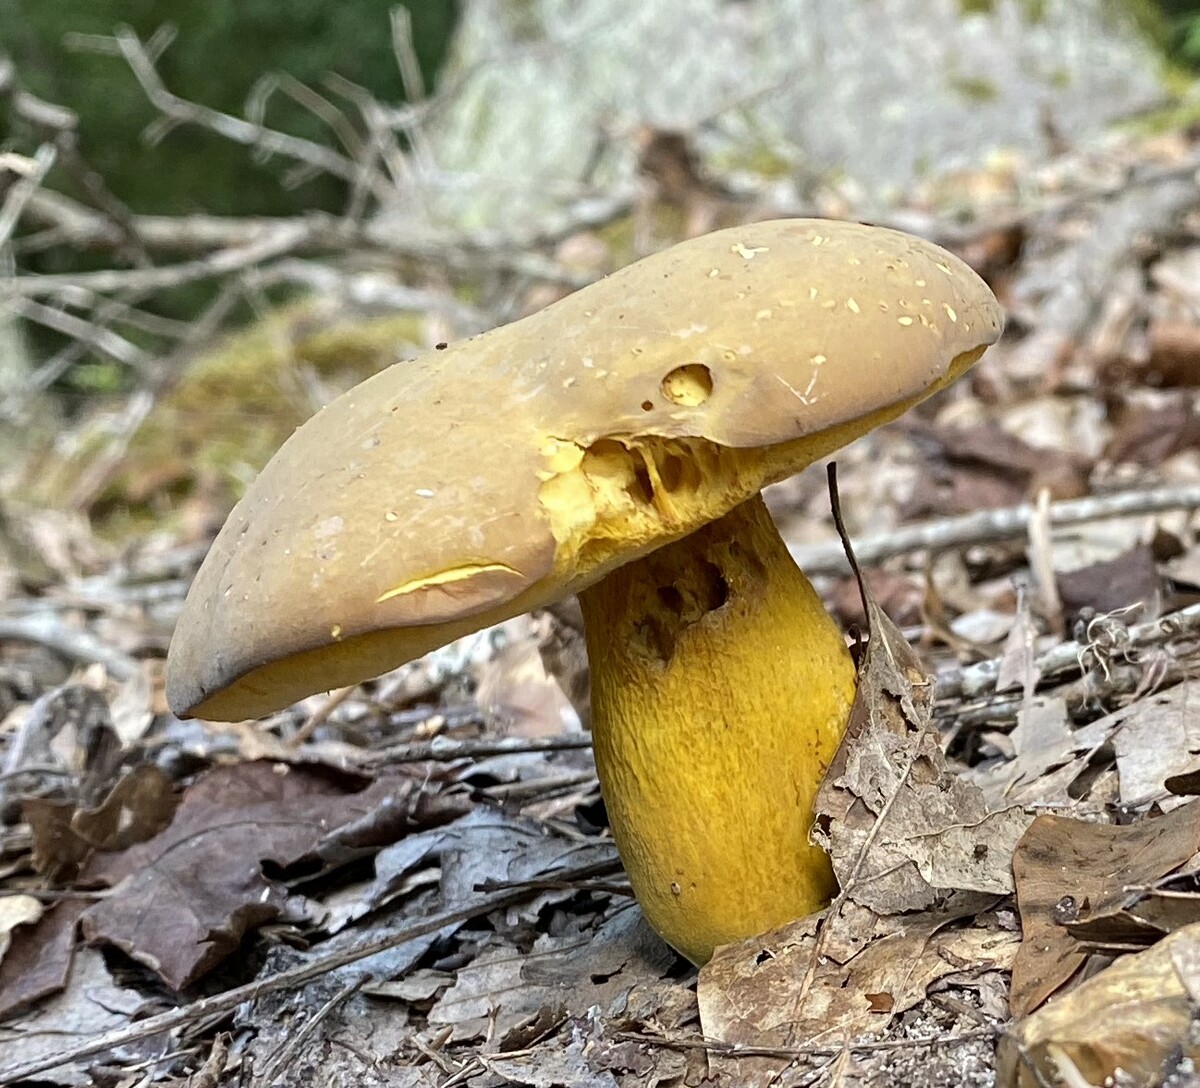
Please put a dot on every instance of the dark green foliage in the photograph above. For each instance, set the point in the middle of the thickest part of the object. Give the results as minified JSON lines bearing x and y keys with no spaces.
{"x":1174,"y":25}
{"x":222,"y":48}
{"x":1183,"y":19}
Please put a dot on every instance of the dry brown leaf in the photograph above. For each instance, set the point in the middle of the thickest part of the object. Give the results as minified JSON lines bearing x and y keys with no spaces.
{"x":514,"y":691}
{"x":1157,"y":738}
{"x":785,"y":989}
{"x":1018,"y":660}
{"x":985,"y":465}
{"x":139,"y":806}
{"x":1128,"y":579}
{"x":1131,"y":1024}
{"x":898,"y":594}
{"x":1072,"y":872}
{"x":1173,"y":354}
{"x":890,"y":812}
{"x":39,"y":959}
{"x":91,"y":1004}
{"x":1042,"y":740}
{"x":569,"y":974}
{"x":182,"y":901}
{"x":1149,"y":435}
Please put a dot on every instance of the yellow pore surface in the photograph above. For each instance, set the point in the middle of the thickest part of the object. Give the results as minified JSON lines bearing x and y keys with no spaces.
{"x":720,"y":691}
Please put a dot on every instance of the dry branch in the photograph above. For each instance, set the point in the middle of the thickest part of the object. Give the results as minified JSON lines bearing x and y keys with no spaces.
{"x":975,"y":681}
{"x":32,"y":173}
{"x":49,"y":630}
{"x":991,"y":527}
{"x":232,"y":128}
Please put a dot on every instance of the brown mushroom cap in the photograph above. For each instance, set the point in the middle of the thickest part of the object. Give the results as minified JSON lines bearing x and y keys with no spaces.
{"x":471,"y":484}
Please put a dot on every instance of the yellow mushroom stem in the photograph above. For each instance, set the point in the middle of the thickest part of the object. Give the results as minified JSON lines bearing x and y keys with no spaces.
{"x":720,"y":691}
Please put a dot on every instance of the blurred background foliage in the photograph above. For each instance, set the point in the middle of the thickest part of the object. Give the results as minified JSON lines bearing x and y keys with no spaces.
{"x":662,"y":117}
{"x":232,"y":45}
{"x":1180,"y":30}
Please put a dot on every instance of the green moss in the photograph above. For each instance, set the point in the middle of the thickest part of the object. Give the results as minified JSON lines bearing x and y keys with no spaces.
{"x":975,"y":88}
{"x":1176,"y":117}
{"x":760,"y":160}
{"x":234,"y":407}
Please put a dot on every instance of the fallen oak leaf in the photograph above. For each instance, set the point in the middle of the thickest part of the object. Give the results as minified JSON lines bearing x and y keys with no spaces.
{"x":38,"y":963}
{"x":891,"y":814}
{"x":182,"y":901}
{"x":137,"y":807}
{"x":785,"y":990}
{"x":1132,"y":1023}
{"x":1071,"y":871}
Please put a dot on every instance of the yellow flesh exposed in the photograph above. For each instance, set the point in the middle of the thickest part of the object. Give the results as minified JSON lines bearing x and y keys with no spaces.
{"x":720,"y":691}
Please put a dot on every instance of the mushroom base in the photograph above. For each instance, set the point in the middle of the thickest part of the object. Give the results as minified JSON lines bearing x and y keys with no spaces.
{"x":720,"y":691}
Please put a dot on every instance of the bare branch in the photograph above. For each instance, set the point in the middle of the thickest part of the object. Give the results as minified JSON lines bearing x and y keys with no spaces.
{"x":406,"y":54}
{"x":312,"y":234}
{"x":90,"y":333}
{"x":368,"y":290}
{"x":181,"y":111}
{"x":316,"y":104}
{"x":33,"y":173}
{"x":991,"y":527}
{"x":286,"y":237}
{"x":50,"y":630}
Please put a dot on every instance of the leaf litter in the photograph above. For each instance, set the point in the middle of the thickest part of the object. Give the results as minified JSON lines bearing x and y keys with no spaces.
{"x":411,"y":883}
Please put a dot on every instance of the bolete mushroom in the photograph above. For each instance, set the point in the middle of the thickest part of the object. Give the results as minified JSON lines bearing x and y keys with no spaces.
{"x":612,"y":445}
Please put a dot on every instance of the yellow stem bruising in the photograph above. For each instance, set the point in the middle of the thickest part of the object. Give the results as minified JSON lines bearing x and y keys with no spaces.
{"x":720,"y":691}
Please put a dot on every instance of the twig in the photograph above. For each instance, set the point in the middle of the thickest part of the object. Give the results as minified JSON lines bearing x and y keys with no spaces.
{"x":47,"y":629}
{"x":445,"y":749}
{"x":990,"y":527}
{"x":744,"y":1050}
{"x":1041,"y":563}
{"x":1082,"y":695}
{"x":293,"y":1043}
{"x":232,"y":128}
{"x":366,"y":289}
{"x":978,"y":680}
{"x":319,"y":716}
{"x":226,"y":1002}
{"x":90,"y":333}
{"x":284,"y":239}
{"x":22,"y":191}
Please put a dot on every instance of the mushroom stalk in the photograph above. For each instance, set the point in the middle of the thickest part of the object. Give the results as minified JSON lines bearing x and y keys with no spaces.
{"x":720,"y":691}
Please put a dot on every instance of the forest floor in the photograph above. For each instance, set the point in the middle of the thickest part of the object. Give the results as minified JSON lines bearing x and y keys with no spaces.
{"x":410,"y":883}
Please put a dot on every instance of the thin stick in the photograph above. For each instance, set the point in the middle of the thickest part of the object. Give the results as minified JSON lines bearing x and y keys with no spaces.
{"x":990,"y":526}
{"x":47,"y":629}
{"x":745,"y":1050}
{"x":231,"y":128}
{"x":445,"y":749}
{"x":980,"y":679}
{"x":22,"y":192}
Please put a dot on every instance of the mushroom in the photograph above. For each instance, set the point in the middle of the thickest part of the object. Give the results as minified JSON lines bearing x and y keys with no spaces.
{"x":613,"y":445}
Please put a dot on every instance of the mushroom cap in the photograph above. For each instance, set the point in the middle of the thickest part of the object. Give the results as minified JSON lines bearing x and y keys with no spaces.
{"x":471,"y":484}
